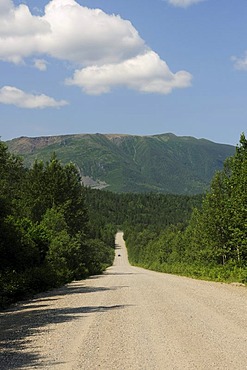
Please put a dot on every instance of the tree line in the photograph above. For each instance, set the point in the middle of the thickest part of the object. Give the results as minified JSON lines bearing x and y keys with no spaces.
{"x":46,"y":238}
{"x":213,"y":245}
{"x":54,"y":230}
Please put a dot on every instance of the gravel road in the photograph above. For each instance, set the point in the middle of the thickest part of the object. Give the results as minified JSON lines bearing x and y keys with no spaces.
{"x":128,"y":319}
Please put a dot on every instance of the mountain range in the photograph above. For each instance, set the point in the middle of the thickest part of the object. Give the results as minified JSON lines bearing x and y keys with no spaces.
{"x":163,"y":163}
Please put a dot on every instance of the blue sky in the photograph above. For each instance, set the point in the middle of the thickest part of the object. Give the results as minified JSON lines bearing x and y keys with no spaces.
{"x":138,"y":67}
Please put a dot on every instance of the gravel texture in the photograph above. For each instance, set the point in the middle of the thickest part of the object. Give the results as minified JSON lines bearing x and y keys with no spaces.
{"x":128,"y":319}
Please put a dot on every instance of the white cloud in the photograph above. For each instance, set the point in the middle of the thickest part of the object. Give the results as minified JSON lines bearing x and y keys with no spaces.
{"x":67,"y":31}
{"x":183,"y":3}
{"x":144,"y":73}
{"x":5,"y":6}
{"x":89,"y":36}
{"x":240,"y":63}
{"x":17,"y":97}
{"x":20,"y":32}
{"x":40,"y":64}
{"x":106,"y":48}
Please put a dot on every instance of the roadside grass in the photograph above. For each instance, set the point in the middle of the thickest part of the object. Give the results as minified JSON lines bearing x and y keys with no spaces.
{"x":226,"y":274}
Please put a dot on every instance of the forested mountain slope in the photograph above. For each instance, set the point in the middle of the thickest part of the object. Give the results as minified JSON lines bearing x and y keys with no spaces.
{"x":124,"y":163}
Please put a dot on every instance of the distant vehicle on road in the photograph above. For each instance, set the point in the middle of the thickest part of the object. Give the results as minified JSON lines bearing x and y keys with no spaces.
{"x":119,"y":255}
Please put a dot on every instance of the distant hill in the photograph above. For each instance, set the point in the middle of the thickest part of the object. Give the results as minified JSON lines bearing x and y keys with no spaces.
{"x":124,"y":163}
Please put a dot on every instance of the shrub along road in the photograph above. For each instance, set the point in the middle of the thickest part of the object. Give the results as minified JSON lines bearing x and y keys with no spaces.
{"x":128,"y":318}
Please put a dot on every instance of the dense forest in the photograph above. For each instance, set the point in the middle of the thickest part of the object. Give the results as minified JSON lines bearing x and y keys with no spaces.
{"x":54,"y":230}
{"x":45,"y":234}
{"x":214,"y":243}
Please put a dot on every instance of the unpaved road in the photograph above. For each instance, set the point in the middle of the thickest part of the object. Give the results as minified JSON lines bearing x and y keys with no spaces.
{"x":128,"y":319}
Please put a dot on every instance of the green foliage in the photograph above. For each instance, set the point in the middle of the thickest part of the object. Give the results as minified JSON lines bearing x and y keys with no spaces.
{"x":54,"y":230}
{"x":98,"y":256}
{"x":45,"y":239}
{"x":140,"y":164}
{"x":54,"y":185}
{"x":144,"y":210}
{"x":222,"y":223}
{"x":214,"y":243}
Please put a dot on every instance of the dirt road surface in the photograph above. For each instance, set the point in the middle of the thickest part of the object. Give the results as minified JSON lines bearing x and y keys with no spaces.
{"x":128,"y":319}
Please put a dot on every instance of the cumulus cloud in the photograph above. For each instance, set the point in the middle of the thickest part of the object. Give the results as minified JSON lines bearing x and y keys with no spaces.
{"x":184,"y":3}
{"x":20,"y":32}
{"x":17,"y":97}
{"x":67,"y":31}
{"x":145,"y":73}
{"x":107,"y":49}
{"x":240,"y":63}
